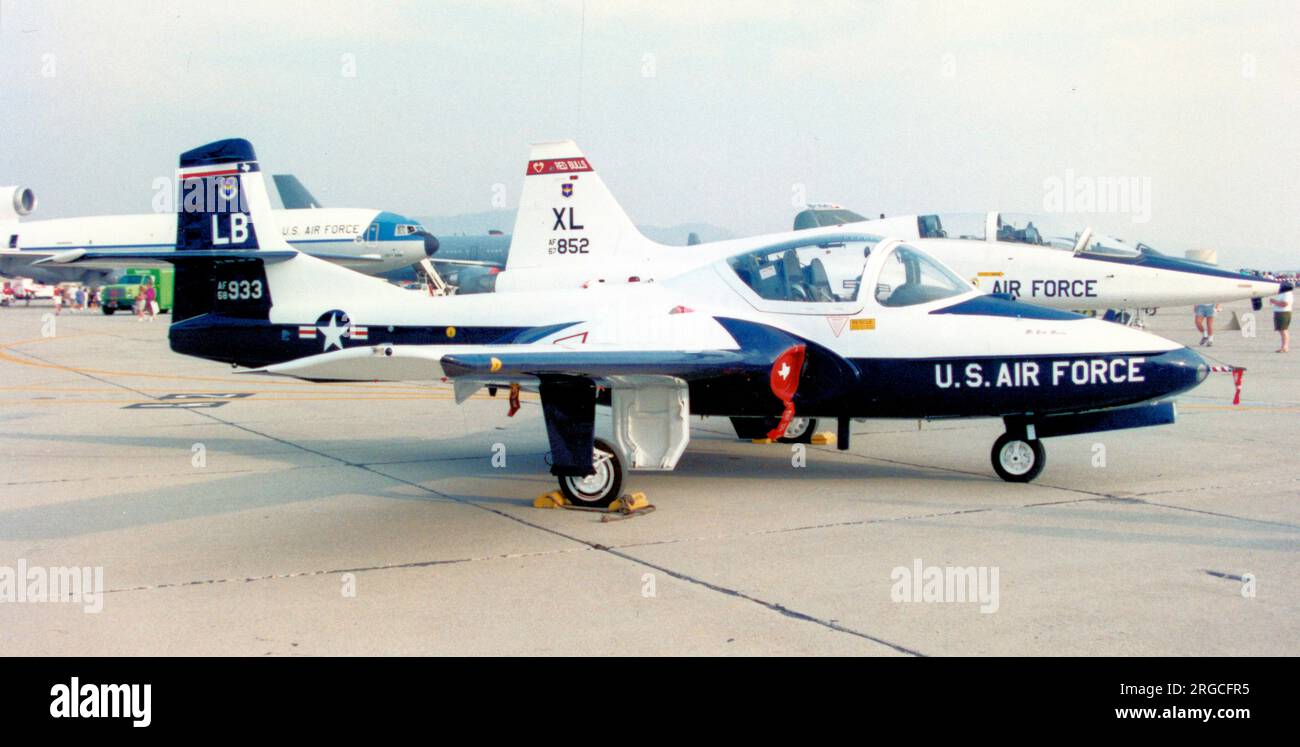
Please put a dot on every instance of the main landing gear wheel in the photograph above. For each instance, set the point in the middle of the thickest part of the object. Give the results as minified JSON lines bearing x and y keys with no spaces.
{"x":1018,"y":459}
{"x":600,"y":488}
{"x":799,"y":431}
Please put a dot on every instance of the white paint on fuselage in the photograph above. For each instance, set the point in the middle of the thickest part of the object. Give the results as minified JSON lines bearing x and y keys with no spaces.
{"x":640,"y":316}
{"x":336,"y":231}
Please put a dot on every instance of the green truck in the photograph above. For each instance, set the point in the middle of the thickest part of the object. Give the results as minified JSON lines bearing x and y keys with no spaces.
{"x":121,"y":295}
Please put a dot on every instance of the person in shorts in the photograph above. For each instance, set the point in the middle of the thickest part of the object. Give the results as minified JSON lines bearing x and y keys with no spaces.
{"x":1282,"y":306}
{"x":1205,"y":322}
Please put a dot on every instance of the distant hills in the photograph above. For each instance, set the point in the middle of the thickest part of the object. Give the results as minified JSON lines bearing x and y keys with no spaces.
{"x":504,"y":221}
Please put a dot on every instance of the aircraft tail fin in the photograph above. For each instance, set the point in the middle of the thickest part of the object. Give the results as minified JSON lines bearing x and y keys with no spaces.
{"x":223,"y":208}
{"x":567,"y":218}
{"x":223,"y":203}
{"x":293,"y":195}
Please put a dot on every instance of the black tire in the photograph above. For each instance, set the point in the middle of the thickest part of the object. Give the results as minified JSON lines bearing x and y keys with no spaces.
{"x":602,"y":488}
{"x":1022,"y":460}
{"x":799,"y":431}
{"x":108,"y":311}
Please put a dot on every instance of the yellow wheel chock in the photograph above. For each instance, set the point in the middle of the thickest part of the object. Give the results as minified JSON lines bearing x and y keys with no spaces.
{"x":626,"y":506}
{"x":553,"y":499}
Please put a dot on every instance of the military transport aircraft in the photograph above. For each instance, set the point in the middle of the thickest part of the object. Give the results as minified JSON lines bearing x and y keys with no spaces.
{"x":370,"y":241}
{"x":1047,"y":260}
{"x":826,"y":323}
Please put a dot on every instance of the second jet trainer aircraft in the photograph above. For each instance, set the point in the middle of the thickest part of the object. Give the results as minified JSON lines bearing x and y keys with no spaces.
{"x":734,"y":329}
{"x":1047,"y":260}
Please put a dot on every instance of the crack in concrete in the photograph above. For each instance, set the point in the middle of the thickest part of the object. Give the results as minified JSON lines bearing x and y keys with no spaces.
{"x":340,"y":571}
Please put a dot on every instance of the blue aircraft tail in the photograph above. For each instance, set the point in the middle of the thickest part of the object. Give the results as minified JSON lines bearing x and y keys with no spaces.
{"x":224,"y":229}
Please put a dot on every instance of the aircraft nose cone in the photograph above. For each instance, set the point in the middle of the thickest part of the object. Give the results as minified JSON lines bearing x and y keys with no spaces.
{"x":430,"y":244}
{"x":1285,"y":287}
{"x":1181,"y":369}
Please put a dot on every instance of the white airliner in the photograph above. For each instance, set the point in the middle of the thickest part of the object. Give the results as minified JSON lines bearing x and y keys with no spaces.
{"x":1047,"y":260}
{"x":369,"y":241}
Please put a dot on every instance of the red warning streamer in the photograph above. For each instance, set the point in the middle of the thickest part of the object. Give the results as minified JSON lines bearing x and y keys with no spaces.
{"x":784,"y":380}
{"x":1237,"y":375}
{"x":514,"y":400}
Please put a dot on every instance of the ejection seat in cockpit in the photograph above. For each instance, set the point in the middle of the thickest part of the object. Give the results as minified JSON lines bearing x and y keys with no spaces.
{"x":818,"y":281}
{"x":792,"y":275}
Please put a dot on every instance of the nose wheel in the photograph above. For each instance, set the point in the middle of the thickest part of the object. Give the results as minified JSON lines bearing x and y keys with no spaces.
{"x":799,"y":431}
{"x":600,"y":488}
{"x":1018,"y":459}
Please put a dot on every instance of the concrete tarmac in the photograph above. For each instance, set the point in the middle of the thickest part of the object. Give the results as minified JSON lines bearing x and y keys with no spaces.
{"x":308,"y":519}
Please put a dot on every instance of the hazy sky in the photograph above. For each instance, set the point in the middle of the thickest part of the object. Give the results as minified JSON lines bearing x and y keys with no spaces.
{"x":721,"y":112}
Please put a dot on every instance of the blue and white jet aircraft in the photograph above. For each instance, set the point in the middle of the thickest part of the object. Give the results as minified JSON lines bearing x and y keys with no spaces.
{"x":1045,"y":259}
{"x":827,"y":323}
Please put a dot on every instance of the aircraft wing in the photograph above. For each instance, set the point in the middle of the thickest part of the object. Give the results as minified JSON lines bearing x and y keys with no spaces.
{"x":337,"y":256}
{"x":467,"y":262}
{"x":506,"y":364}
{"x":649,"y":388}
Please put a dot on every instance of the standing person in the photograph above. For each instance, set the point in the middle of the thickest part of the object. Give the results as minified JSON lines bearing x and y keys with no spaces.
{"x":1282,"y":304}
{"x":1205,"y":322}
{"x":150,"y":294}
{"x":139,"y":302}
{"x":81,"y":298}
{"x":58,"y":301}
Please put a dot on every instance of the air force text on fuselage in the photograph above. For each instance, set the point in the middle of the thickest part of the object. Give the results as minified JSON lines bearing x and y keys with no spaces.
{"x":1030,"y":373}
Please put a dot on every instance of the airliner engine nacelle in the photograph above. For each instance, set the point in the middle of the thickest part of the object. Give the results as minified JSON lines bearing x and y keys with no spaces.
{"x":15,"y":202}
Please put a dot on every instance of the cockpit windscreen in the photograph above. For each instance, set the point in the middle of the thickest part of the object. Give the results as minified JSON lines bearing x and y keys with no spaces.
{"x":909,"y":277}
{"x":826,"y":272}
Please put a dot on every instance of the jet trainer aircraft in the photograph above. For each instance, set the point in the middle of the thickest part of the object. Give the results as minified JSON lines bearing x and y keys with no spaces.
{"x":825,"y":323}
{"x":369,"y":241}
{"x":1044,"y":259}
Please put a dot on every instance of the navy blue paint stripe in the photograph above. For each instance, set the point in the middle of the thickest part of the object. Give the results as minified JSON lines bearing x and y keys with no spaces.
{"x":997,"y":306}
{"x":1163,"y":262}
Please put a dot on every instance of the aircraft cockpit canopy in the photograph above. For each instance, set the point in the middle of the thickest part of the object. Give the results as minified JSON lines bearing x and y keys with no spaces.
{"x":826,"y":270}
{"x":1038,"y":230}
{"x":1052,"y":231}
{"x":1100,"y":243}
{"x":909,"y":277}
{"x":967,"y":226}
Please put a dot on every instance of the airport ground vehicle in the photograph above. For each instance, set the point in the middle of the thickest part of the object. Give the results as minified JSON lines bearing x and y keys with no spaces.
{"x":25,"y":290}
{"x":121,"y":294}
